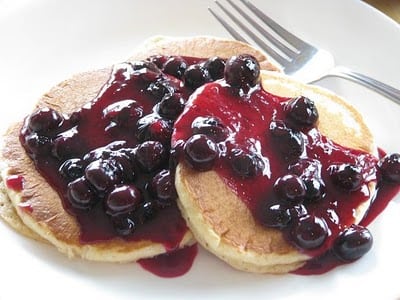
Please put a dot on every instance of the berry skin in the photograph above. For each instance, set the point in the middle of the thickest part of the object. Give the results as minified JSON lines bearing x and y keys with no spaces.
{"x":346,"y":176}
{"x":80,"y":194}
{"x":215,"y":66}
{"x":290,"y":188}
{"x":210,"y":126}
{"x":44,"y":120}
{"x":154,"y":128}
{"x":195,"y":76}
{"x":353,"y":243}
{"x":389,"y":166}
{"x":150,"y":155}
{"x":276,"y":216}
{"x":200,"y":152}
{"x":162,"y":187}
{"x":175,"y":66}
{"x":123,"y":199}
{"x":242,"y":71}
{"x":288,"y":142}
{"x":309,"y":232}
{"x":171,"y":106}
{"x":302,"y":112}
{"x":246,"y":165}
{"x":103,"y":174}
{"x":124,"y":225}
{"x":38,"y":144}
{"x":72,"y":168}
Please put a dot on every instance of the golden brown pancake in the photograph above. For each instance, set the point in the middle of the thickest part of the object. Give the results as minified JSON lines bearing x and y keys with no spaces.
{"x":38,"y":205}
{"x":221,"y":221}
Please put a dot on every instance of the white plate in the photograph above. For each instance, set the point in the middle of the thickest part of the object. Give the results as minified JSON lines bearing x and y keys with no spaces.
{"x":44,"y":42}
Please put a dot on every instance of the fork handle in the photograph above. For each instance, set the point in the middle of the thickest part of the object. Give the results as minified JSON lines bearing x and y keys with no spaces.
{"x":379,"y":87}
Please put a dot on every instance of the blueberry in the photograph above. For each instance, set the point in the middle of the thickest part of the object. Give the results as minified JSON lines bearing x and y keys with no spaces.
{"x":246,"y":165}
{"x":44,"y":120}
{"x":306,"y":168}
{"x":38,"y":144}
{"x":288,"y":142}
{"x":159,"y":89}
{"x":145,"y":64}
{"x":347,"y":176}
{"x":210,"y":126}
{"x":175,"y":66}
{"x":315,"y":189}
{"x":103,"y":174}
{"x":67,"y":145}
{"x":146,"y":211}
{"x":146,"y":71}
{"x":389,"y":166}
{"x":276,"y":216}
{"x":291,"y":188}
{"x":123,"y":159}
{"x":242,"y":70}
{"x":309,"y":232}
{"x":123,"y":199}
{"x":195,"y":76}
{"x":72,"y":168}
{"x":158,"y":60}
{"x":171,"y":106}
{"x":154,"y":128}
{"x":80,"y":194}
{"x":302,"y":111}
{"x":215,"y":66}
{"x":162,"y":187}
{"x":353,"y":243}
{"x":124,"y":225}
{"x":200,"y":152}
{"x":150,"y":155}
{"x":123,"y":113}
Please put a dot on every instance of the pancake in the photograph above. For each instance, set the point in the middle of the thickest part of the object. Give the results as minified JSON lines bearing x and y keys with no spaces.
{"x":37,"y":210}
{"x":224,"y":224}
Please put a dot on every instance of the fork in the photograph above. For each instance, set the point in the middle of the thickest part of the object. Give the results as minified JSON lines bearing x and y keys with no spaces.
{"x":297,"y":58}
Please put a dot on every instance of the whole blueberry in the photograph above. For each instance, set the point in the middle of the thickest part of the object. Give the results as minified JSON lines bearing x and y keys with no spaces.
{"x":215,"y":66}
{"x":210,"y":126}
{"x":175,"y":66}
{"x":150,"y":155}
{"x":291,"y":188}
{"x":347,"y":176}
{"x":80,"y":194}
{"x":123,"y":199}
{"x":302,"y":112}
{"x":353,"y":243}
{"x":200,"y":152}
{"x":195,"y":76}
{"x":309,"y":232}
{"x":389,"y":166}
{"x":242,"y":70}
{"x":44,"y":120}
{"x":246,"y":165}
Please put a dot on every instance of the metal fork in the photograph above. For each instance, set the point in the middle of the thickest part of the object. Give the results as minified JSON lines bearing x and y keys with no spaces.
{"x":296,"y":57}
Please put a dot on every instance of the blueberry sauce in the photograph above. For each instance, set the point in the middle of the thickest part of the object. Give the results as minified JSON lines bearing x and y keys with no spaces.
{"x":15,"y":182}
{"x":171,"y":264}
{"x":269,"y":151}
{"x":109,"y":160}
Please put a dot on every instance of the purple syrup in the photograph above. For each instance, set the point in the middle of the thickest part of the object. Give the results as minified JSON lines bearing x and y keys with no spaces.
{"x":172,"y":264}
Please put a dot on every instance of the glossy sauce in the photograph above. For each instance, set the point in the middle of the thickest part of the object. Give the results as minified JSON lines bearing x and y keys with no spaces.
{"x":90,"y":130}
{"x":15,"y":182}
{"x":172,"y":264}
{"x":247,"y":121}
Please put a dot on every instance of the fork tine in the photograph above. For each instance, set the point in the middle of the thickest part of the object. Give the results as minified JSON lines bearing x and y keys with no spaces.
{"x":289,"y":37}
{"x":276,"y":56}
{"x":287,"y":51}
{"x":228,"y":27}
